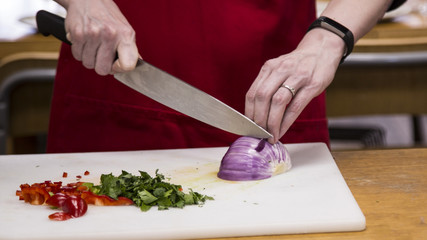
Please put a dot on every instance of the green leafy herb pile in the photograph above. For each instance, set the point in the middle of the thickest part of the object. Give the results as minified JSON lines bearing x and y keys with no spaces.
{"x":146,"y":191}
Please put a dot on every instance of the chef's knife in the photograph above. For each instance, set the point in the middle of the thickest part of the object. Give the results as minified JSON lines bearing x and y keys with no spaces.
{"x":168,"y":90}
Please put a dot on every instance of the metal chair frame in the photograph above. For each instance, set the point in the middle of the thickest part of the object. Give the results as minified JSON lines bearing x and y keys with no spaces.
{"x":9,"y":84}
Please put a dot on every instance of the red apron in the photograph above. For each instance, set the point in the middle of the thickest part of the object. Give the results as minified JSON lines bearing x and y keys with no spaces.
{"x":217,"y":46}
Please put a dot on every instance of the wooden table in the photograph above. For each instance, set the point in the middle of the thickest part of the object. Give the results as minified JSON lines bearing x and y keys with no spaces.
{"x":390,"y":187}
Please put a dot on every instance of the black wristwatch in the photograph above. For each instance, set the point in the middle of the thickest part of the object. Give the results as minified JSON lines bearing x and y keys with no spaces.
{"x":338,"y":29}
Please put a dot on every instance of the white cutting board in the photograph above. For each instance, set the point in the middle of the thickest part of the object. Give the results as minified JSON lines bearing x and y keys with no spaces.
{"x":311,"y":197}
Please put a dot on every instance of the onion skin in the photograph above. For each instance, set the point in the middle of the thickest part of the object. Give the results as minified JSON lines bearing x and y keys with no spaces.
{"x":251,"y":158}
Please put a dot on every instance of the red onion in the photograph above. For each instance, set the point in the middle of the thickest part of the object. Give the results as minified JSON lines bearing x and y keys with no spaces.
{"x":251,"y":158}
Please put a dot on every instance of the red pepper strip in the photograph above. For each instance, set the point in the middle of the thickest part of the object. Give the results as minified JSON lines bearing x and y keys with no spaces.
{"x":51,"y":187}
{"x":34,"y":195}
{"x":82,"y":188}
{"x":72,"y":198}
{"x":103,"y":200}
{"x":19,"y":194}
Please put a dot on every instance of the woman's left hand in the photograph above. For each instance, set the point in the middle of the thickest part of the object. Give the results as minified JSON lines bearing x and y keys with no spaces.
{"x":306,"y":71}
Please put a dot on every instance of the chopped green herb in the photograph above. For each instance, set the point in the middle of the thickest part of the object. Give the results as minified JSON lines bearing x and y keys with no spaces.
{"x":146,"y":191}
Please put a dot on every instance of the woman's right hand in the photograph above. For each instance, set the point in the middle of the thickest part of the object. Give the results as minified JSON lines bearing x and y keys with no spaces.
{"x":98,"y":31}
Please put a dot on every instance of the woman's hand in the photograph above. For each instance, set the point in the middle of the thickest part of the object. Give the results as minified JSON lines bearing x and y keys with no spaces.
{"x":308,"y":70}
{"x":98,"y":31}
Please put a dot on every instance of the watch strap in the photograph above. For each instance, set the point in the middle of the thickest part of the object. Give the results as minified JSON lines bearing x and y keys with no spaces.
{"x":338,"y":29}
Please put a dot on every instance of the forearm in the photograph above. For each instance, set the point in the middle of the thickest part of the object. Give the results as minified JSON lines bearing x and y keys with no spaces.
{"x":359,"y":16}
{"x":63,"y":3}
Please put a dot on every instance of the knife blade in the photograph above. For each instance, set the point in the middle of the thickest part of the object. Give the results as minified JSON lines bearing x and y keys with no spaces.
{"x":169,"y":90}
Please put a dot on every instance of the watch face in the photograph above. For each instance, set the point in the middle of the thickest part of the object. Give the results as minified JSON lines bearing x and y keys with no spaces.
{"x":331,"y":28}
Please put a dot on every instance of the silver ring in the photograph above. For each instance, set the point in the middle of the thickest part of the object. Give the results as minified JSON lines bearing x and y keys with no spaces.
{"x":291,"y":89}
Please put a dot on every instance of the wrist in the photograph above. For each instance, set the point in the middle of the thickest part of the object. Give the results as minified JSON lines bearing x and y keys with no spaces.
{"x":341,"y":31}
{"x":323,"y":41}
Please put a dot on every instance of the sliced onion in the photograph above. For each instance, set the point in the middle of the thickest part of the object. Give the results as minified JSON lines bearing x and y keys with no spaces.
{"x":251,"y":158}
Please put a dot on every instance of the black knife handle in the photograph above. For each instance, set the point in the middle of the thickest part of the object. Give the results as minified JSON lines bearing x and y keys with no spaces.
{"x":51,"y":24}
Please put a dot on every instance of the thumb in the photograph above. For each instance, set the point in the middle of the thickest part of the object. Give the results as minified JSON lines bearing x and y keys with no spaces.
{"x":127,"y":58}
